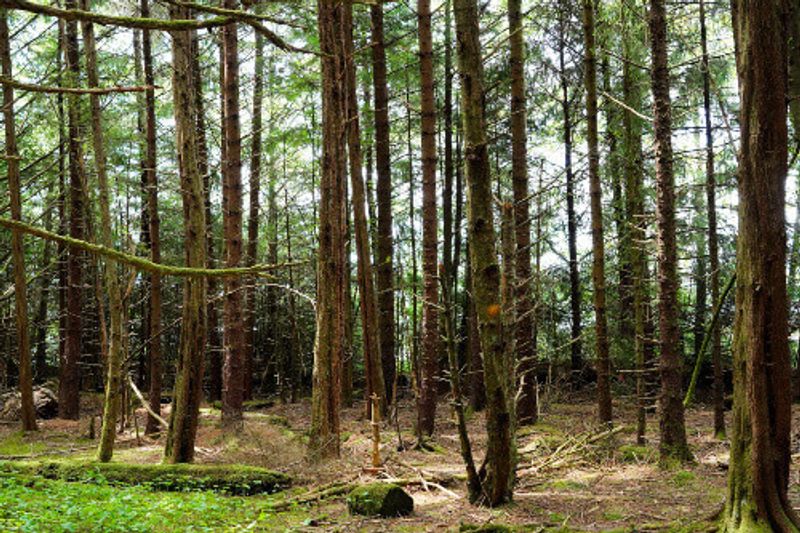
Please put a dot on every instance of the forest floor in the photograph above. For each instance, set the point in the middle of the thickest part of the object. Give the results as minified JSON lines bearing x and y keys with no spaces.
{"x":569,"y":480}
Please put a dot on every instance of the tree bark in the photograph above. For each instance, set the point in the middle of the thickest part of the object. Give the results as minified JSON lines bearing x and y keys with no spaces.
{"x":760,"y":445}
{"x":603,"y":365}
{"x":324,"y":437}
{"x":497,"y":473}
{"x":28,"y":413}
{"x":69,"y":377}
{"x":384,"y":278}
{"x":187,"y":393}
{"x":429,"y":358}
{"x":233,"y":320}
{"x":671,"y":424}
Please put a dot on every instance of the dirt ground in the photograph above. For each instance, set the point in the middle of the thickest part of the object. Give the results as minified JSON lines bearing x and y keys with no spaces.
{"x":568,"y":478}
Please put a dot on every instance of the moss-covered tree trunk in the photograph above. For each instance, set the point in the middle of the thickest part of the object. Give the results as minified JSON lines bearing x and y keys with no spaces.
{"x":527,"y":410}
{"x":366,"y":288}
{"x":603,"y":363}
{"x":384,"y":279}
{"x":760,"y":442}
{"x":28,"y":413}
{"x":113,"y":383}
{"x":671,"y":424}
{"x":497,"y":473}
{"x":429,"y":358}
{"x":325,"y":399}
{"x":187,"y":393}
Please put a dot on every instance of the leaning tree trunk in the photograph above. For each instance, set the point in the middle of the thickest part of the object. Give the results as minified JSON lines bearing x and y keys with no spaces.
{"x":497,"y":473}
{"x":113,"y":385}
{"x":527,"y":410}
{"x":324,"y":437}
{"x":366,"y":288}
{"x":233,"y":339}
{"x":760,"y":444}
{"x":595,"y":191}
{"x":384,"y":280}
{"x":154,"y":223}
{"x":187,"y":394}
{"x":672,"y":429}
{"x":28,"y":413}
{"x":429,"y":358}
{"x":69,"y":377}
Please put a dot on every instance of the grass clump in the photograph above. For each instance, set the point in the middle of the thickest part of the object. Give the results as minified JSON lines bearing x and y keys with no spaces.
{"x":634,"y":453}
{"x":15,"y":444}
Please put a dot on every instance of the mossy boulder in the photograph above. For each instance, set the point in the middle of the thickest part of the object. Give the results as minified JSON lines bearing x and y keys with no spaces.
{"x":227,"y":479}
{"x":380,"y":499}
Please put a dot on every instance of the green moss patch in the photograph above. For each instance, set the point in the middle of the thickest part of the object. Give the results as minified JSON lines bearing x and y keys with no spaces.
{"x":227,"y":479}
{"x":380,"y":499}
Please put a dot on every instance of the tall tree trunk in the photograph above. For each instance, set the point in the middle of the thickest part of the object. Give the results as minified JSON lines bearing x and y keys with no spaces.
{"x":113,"y":384}
{"x":69,"y":376}
{"x":603,"y":364}
{"x":527,"y":410}
{"x":429,"y":358}
{"x":28,"y":413}
{"x":324,"y":438}
{"x":233,"y":320}
{"x":366,"y":288}
{"x":383,"y":192}
{"x":189,"y":378}
{"x":713,"y":242}
{"x":41,"y":369}
{"x":253,"y":214}
{"x":154,"y":222}
{"x":760,"y":445}
{"x":576,"y":356}
{"x":497,"y":473}
{"x":672,"y":429}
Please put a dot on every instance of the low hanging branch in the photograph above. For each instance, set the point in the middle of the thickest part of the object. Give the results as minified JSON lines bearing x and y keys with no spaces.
{"x":145,"y":404}
{"x":150,"y":23}
{"x":30,"y":87}
{"x":140,"y":263}
{"x":706,"y":338}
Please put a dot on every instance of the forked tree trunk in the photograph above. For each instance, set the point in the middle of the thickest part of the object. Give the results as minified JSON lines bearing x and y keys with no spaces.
{"x":324,"y":437}
{"x":366,"y":288}
{"x":527,"y":410}
{"x":384,"y":279}
{"x":429,"y":358}
{"x":113,"y":384}
{"x":28,"y":413}
{"x":233,"y":338}
{"x":497,"y":473}
{"x":672,"y":429}
{"x":187,"y":394}
{"x":603,"y":365}
{"x":760,"y":445}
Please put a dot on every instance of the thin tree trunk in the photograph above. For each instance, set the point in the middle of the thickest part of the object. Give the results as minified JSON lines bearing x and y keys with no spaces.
{"x":429,"y":358}
{"x":154,"y":222}
{"x":28,"y":413}
{"x":113,"y":384}
{"x":758,"y":477}
{"x":189,"y":378}
{"x":604,"y":408}
{"x":497,"y":473}
{"x":672,"y":429}
{"x":324,"y":437}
